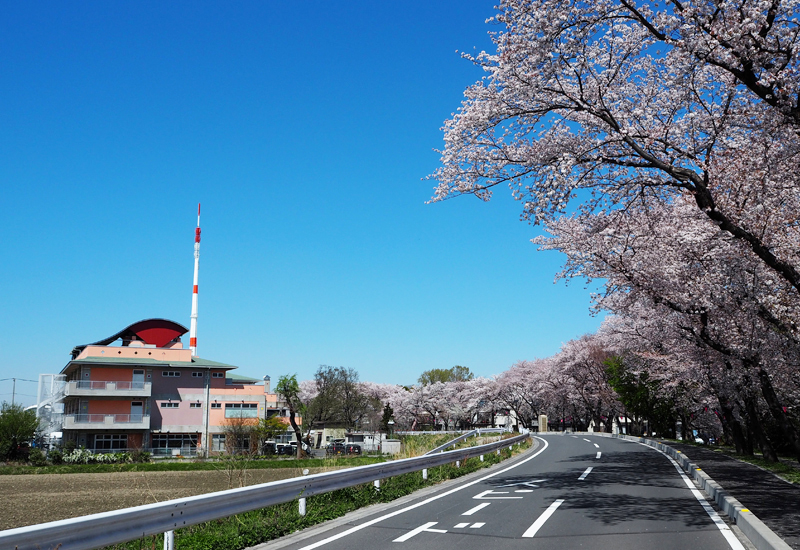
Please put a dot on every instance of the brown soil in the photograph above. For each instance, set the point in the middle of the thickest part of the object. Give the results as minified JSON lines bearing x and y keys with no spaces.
{"x":30,"y":499}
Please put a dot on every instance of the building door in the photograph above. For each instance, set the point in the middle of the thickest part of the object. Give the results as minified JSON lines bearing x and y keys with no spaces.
{"x":84,"y":410}
{"x":86,"y":374}
{"x":138,"y":379}
{"x":137,"y":410}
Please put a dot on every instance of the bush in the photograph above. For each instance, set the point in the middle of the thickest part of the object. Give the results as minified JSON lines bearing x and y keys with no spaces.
{"x":55,"y":457}
{"x":139,"y":456}
{"x":36,"y":457}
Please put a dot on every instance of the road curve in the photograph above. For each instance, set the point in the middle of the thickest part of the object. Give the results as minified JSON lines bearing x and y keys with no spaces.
{"x":569,"y":491}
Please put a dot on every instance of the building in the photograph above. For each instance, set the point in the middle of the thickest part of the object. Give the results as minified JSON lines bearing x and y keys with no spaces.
{"x":141,"y":389}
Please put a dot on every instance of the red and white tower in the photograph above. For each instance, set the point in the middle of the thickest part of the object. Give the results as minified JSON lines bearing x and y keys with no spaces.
{"x":193,"y":326}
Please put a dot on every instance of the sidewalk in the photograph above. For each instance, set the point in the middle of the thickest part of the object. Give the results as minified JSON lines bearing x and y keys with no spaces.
{"x":772,"y":500}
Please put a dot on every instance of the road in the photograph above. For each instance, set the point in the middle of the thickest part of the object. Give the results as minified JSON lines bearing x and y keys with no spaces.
{"x":568,"y":492}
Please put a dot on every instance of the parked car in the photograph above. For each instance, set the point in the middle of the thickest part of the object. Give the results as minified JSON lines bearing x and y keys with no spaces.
{"x":335,"y":447}
{"x":352,"y":449}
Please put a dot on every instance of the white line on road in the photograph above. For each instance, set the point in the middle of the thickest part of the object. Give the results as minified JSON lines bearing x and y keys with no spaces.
{"x":721,"y":525}
{"x":478,"y":508}
{"x":460,"y":525}
{"x":418,"y":530}
{"x":588,"y":440}
{"x":476,"y":525}
{"x":584,"y":474}
{"x":541,"y":520}
{"x":596,"y":445}
{"x":482,"y":495}
{"x":424,"y":502}
{"x":598,"y":454}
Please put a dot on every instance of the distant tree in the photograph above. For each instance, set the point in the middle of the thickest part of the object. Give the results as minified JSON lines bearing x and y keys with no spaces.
{"x":240,"y":435}
{"x":269,"y":428}
{"x":339,"y":397}
{"x":388,"y":412}
{"x":453,"y":374}
{"x":17,"y":428}
{"x":289,"y":389}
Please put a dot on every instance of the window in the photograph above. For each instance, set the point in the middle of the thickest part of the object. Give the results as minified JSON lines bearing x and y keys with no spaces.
{"x":216,"y":405}
{"x":195,"y":405}
{"x":217,"y":375}
{"x":241,"y":410}
{"x":186,"y":444}
{"x":218,"y":442}
{"x":169,"y":405}
{"x":171,"y":373}
{"x":197,"y":375}
{"x":106,"y":442}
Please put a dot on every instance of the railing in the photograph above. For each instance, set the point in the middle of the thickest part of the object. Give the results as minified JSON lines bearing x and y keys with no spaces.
{"x":115,"y":418}
{"x":104,"y":385}
{"x":101,"y":387}
{"x":462,"y":437}
{"x":107,"y":421}
{"x":118,"y":526}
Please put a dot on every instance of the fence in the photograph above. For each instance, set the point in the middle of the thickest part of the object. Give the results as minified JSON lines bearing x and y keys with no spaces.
{"x":107,"y":528}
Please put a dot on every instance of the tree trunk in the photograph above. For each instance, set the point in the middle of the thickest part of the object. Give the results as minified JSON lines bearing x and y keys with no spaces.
{"x":775,"y":408}
{"x":756,"y":429}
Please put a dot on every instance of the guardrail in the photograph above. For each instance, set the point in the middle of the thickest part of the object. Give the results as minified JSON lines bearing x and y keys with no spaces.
{"x":107,"y":528}
{"x":462,"y":437}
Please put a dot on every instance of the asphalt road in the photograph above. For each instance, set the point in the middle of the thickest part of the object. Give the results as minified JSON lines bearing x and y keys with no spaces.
{"x":568,"y":492}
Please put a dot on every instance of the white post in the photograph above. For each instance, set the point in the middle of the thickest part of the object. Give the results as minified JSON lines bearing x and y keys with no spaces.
{"x":498,"y":451}
{"x":169,"y":540}
{"x":302,"y":500}
{"x":481,"y":458}
{"x":425,"y":474}
{"x":458,"y":464}
{"x":377,"y":484}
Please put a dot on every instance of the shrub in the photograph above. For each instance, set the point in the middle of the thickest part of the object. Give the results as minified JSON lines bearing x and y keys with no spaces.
{"x":139,"y":456}
{"x":55,"y":457}
{"x":36,"y":457}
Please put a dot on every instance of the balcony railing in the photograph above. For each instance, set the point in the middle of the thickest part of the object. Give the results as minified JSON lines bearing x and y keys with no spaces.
{"x":113,"y":421}
{"x":103,"y":388}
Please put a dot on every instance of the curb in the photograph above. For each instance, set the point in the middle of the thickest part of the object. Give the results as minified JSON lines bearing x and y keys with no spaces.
{"x":762,"y":537}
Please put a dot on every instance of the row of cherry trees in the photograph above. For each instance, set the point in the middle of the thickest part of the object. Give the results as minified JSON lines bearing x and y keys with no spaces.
{"x":659,"y":144}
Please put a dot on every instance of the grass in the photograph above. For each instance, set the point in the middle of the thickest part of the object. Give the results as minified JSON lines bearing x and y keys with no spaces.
{"x":259,"y":526}
{"x":788,"y":469}
{"x":186,"y":466}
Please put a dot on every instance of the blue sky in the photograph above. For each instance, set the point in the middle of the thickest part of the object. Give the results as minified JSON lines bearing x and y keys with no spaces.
{"x":305,"y":130}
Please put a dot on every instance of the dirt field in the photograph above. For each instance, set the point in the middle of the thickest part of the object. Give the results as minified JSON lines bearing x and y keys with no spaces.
{"x":30,"y":499}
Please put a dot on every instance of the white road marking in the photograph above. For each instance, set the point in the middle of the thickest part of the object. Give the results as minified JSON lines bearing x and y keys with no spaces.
{"x":598,"y":454}
{"x":480,"y":496}
{"x":596,"y":445}
{"x":584,"y":474}
{"x":460,"y":525}
{"x":587,"y":440}
{"x":424,"y":502}
{"x":524,"y":491}
{"x":476,"y":525}
{"x":731,"y":539}
{"x":526,"y":483}
{"x":478,"y":508}
{"x":420,"y":529}
{"x":541,"y":520}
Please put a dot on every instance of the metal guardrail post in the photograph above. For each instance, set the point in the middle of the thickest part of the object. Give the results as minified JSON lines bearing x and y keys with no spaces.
{"x":169,"y":540}
{"x":425,"y":474}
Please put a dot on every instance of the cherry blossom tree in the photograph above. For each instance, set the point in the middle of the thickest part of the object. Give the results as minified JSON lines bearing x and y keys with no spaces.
{"x":615,"y":102}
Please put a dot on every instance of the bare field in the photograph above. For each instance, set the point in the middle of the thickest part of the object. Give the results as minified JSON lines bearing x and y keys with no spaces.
{"x":31,"y":499}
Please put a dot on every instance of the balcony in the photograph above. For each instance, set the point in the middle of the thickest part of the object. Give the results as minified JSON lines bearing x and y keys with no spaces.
{"x":99,"y":388}
{"x":106,"y":422}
